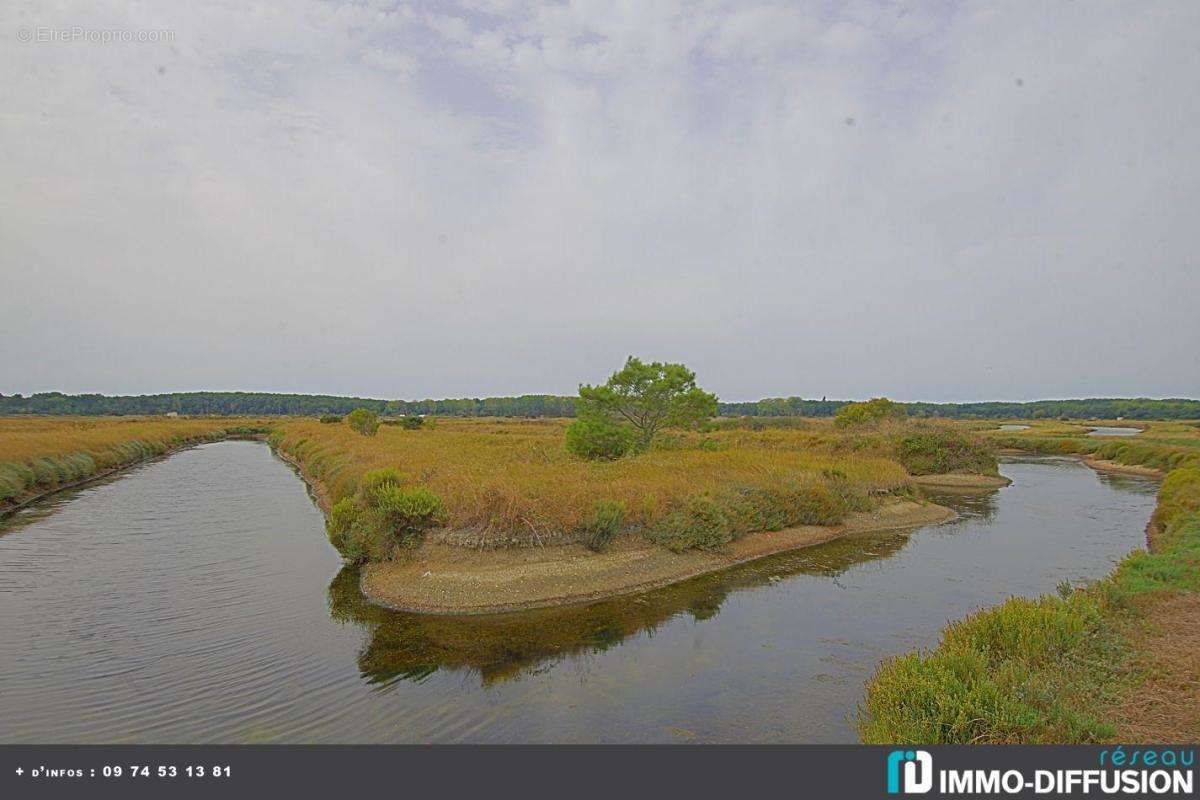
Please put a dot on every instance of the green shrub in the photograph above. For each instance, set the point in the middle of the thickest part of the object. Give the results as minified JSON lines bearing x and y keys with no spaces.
{"x":934,"y":451}
{"x":364,"y":421}
{"x":599,"y":438}
{"x":1005,"y":674}
{"x":331,"y":419}
{"x":409,"y":511}
{"x":383,"y":515}
{"x":709,"y":522}
{"x":410,"y":422}
{"x":701,"y":525}
{"x":757,"y":508}
{"x":341,"y":520}
{"x":608,"y":517}
{"x":772,"y":508}
{"x":873,"y":411}
{"x":372,"y":480}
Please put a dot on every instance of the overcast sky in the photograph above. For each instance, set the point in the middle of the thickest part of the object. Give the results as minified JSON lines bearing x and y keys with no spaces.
{"x":925,"y":200}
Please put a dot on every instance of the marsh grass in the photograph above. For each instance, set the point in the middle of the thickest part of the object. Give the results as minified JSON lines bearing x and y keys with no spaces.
{"x":605,"y":524}
{"x":513,"y":481}
{"x":40,"y":454}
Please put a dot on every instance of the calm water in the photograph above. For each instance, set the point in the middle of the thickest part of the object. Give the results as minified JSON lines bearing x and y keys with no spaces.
{"x":194,"y":599}
{"x":1112,"y":431}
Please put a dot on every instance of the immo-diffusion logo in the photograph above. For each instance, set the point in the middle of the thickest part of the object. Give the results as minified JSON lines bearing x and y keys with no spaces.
{"x":909,"y":772}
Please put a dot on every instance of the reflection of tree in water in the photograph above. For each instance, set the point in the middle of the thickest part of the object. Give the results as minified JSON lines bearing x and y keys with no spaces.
{"x":405,"y":646}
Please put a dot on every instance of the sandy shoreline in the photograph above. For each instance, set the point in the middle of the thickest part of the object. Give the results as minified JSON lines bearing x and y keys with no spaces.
{"x":1127,"y":469}
{"x":1088,"y":461}
{"x":440,"y":579}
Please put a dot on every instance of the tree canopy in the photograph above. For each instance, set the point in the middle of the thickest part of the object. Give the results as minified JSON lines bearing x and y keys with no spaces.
{"x":874,"y":410}
{"x":647,"y":398}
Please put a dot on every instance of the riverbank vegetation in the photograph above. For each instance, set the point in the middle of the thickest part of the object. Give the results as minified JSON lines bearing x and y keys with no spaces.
{"x":1162,"y":446}
{"x":1084,"y":666}
{"x":924,"y":447}
{"x":41,"y":454}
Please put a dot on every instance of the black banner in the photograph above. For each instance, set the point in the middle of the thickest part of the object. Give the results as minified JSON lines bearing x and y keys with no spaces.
{"x":535,"y":771}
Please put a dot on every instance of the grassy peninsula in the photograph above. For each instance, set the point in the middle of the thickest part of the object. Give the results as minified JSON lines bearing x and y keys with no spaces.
{"x":468,"y":516}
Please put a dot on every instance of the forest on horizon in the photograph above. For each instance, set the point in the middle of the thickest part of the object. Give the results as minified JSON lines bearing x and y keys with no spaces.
{"x":542,"y":405}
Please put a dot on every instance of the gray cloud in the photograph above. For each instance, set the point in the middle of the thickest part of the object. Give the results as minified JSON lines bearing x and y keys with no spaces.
{"x":968,"y":201}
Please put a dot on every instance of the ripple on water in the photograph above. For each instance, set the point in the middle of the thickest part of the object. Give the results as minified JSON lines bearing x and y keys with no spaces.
{"x":195,"y":599}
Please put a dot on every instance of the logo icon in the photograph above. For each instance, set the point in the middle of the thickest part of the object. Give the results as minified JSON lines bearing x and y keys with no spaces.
{"x":916,"y":777}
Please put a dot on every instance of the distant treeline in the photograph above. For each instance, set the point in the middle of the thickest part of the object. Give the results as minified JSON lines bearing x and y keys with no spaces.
{"x":1101,"y":408}
{"x":544,"y":405}
{"x":251,"y":403}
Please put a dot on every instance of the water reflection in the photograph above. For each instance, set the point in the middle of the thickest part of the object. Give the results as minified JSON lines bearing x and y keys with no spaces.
{"x":190,"y":601}
{"x":410,"y":647}
{"x":1104,"y":430}
{"x":968,"y":503}
{"x":1125,"y":482}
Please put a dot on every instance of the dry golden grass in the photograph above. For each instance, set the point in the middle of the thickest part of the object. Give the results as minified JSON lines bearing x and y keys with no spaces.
{"x":29,"y":438}
{"x":43,"y":453}
{"x":512,"y":481}
{"x":1165,"y":706}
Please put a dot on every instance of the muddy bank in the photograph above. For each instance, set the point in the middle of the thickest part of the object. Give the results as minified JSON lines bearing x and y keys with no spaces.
{"x":440,"y":579}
